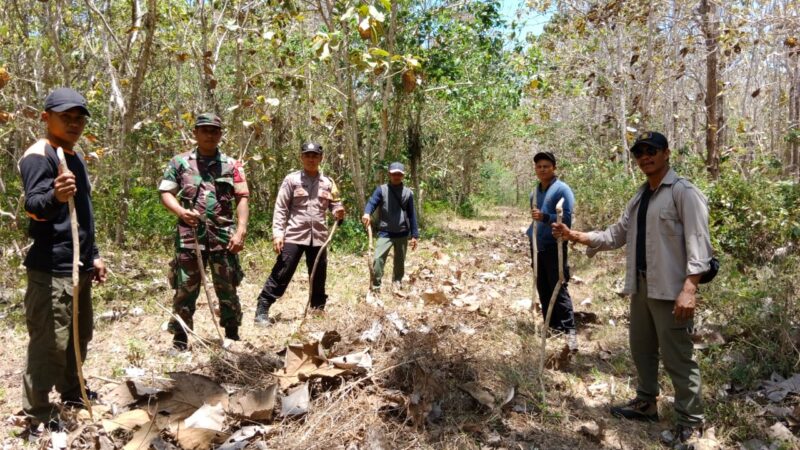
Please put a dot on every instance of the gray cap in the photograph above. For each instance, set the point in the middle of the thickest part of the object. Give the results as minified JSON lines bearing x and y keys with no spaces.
{"x":63,"y":99}
{"x":311,"y":147}
{"x":397,"y":167}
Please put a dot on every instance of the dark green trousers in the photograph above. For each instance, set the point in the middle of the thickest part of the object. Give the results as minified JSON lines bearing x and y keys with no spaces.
{"x":382,"y":247}
{"x":654,"y":332}
{"x":51,"y":356}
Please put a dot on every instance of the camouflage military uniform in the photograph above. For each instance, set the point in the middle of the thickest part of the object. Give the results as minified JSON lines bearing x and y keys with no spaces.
{"x":211,"y":186}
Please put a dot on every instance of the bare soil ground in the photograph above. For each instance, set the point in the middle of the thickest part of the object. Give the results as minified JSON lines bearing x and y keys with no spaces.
{"x":458,"y":323}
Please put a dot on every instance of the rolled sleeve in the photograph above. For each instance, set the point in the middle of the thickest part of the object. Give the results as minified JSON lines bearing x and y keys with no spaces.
{"x":612,"y":237}
{"x":169,"y":182}
{"x":693,"y":208}
{"x":336,"y":200}
{"x":280,"y":216}
{"x":239,"y":181}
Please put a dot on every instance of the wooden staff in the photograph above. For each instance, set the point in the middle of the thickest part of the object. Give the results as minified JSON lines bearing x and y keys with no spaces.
{"x":370,"y":259}
{"x":535,"y":256}
{"x":76,"y":262}
{"x":201,"y":267}
{"x":314,"y":271}
{"x":551,"y":305}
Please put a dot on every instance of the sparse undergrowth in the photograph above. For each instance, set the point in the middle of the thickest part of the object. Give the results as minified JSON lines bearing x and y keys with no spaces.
{"x":415,"y":395}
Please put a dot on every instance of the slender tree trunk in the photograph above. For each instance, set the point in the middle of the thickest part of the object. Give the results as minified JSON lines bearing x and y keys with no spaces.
{"x":710,"y":27}
{"x":129,"y":152}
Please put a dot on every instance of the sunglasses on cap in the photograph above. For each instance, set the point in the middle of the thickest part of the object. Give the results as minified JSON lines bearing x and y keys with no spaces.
{"x":640,"y":150}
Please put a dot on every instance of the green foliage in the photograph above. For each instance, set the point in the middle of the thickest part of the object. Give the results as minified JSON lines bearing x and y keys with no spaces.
{"x":602,"y":189}
{"x":752,"y":217}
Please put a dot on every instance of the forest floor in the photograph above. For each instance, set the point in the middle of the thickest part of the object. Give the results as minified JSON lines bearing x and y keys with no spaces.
{"x":459,"y":324}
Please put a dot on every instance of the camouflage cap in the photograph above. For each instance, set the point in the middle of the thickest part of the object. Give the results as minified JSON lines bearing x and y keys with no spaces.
{"x":208,"y":120}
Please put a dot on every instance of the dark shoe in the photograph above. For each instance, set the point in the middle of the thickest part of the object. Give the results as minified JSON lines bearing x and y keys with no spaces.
{"x":637,"y":409}
{"x":180,"y":340}
{"x":232,"y":332}
{"x":262,"y":314}
{"x":36,"y":428}
{"x":682,"y":437}
{"x":73,"y":399}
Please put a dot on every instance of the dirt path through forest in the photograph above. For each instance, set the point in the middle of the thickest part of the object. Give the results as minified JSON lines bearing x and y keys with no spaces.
{"x":460,"y":318}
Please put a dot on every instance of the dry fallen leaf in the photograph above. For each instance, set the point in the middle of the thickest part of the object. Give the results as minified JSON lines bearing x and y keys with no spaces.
{"x":191,"y":392}
{"x":256,"y":404}
{"x":434,"y":297}
{"x":128,"y":420}
{"x":483,"y":396}
{"x":296,"y":402}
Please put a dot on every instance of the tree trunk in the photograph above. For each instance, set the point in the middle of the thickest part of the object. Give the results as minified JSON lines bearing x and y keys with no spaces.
{"x":710,"y":27}
{"x":129,"y":152}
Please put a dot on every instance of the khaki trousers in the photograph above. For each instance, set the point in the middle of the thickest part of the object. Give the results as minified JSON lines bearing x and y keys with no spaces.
{"x":654,"y":332}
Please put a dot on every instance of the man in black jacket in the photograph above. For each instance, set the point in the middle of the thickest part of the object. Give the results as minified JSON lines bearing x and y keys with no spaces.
{"x":48,"y":298}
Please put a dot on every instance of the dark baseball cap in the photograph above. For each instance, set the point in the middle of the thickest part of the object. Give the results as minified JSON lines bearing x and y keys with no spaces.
{"x":208,"y":120}
{"x":311,"y":147}
{"x":397,"y":167}
{"x":63,"y":99}
{"x":651,"y":139}
{"x":545,"y":155}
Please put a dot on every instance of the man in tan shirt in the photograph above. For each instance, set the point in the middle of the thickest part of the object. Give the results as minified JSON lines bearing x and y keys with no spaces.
{"x":665,"y":230}
{"x":298,"y":227}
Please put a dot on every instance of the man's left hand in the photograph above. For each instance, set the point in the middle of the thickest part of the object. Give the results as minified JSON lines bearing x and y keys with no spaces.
{"x":684,"y":306}
{"x":236,"y":244}
{"x":414,"y":243}
{"x":339,"y":214}
{"x":100,"y":270}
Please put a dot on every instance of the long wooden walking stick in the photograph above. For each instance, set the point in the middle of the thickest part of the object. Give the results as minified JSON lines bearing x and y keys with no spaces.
{"x":201,"y":267}
{"x":370,"y":263}
{"x":551,"y":305}
{"x":314,"y":271}
{"x":535,"y":257}
{"x":76,"y":262}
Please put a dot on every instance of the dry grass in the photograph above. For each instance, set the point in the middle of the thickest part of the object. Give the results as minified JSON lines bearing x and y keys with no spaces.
{"x":411,"y":398}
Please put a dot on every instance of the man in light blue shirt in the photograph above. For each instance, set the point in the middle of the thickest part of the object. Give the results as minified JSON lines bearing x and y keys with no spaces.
{"x":543,"y":210}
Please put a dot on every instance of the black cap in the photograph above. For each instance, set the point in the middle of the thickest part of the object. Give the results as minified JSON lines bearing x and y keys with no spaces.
{"x":652,"y":139}
{"x":63,"y":99}
{"x":545,"y":155}
{"x":311,"y":147}
{"x":208,"y":120}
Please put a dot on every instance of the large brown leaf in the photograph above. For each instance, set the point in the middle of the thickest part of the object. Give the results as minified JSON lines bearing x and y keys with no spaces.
{"x":191,"y":392}
{"x":255,"y":405}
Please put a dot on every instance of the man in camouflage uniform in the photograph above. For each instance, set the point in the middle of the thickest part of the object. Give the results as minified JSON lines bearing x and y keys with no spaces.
{"x":203,"y":187}
{"x":298,"y":226}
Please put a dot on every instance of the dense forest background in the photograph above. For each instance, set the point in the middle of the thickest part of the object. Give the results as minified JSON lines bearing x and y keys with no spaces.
{"x":461,"y":95}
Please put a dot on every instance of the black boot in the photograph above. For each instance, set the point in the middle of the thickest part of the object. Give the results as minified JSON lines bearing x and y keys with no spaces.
{"x":232,"y":332}
{"x":262,"y":313}
{"x":180,"y":340}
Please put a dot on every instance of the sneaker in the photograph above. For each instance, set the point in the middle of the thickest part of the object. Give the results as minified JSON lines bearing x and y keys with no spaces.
{"x":262,"y":314}
{"x":232,"y":332}
{"x":637,"y":409}
{"x":180,"y":340}
{"x":73,"y":399}
{"x":572,"y":340}
{"x":682,"y":437}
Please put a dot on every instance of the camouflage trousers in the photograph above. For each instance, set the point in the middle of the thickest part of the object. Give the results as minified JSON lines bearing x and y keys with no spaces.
{"x":184,"y":277}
